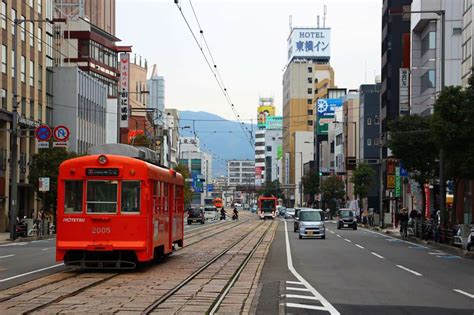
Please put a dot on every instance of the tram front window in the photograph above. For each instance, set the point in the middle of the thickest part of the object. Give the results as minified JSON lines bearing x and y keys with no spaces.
{"x":73,"y":196}
{"x":130,"y":197}
{"x":102,"y":196}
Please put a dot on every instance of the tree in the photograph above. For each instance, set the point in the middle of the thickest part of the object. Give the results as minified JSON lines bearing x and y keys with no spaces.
{"x":188,"y":194}
{"x":311,"y":184}
{"x":362,"y":178}
{"x":333,"y":191}
{"x":141,"y":140}
{"x":271,"y":189}
{"x":411,"y":141}
{"x":46,"y":163}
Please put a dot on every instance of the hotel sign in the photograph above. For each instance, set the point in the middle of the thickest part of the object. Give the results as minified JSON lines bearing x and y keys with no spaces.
{"x":123,"y":89}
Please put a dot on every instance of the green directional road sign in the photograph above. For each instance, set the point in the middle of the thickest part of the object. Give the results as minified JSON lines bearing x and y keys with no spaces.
{"x":398,"y":182}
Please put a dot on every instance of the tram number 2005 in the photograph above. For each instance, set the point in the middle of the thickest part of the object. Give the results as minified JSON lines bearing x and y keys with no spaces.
{"x":101,"y":230}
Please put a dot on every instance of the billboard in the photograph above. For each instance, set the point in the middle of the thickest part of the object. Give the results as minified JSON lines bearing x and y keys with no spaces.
{"x":123,"y":88}
{"x":404,"y":90}
{"x":309,"y":43}
{"x":325,"y":113}
{"x":263,"y":112}
{"x":274,"y":122}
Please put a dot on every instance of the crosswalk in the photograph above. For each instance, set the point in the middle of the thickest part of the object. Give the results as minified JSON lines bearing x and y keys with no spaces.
{"x":299,"y":298}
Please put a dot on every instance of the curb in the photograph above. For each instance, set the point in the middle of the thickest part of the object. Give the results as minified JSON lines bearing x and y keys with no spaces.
{"x":28,"y":239}
{"x":447,"y":248}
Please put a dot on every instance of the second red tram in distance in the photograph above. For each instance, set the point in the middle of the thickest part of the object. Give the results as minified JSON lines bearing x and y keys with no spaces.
{"x":267,"y":207}
{"x":117,"y":208}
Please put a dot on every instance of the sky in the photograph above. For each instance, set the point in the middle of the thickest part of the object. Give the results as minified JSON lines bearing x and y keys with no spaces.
{"x":248,"y":41}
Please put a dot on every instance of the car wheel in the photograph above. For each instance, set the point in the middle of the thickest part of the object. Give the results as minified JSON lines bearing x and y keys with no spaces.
{"x":355,"y":227}
{"x":300,"y":237}
{"x":338,"y":226}
{"x":323,"y":237}
{"x":189,"y":222}
{"x":202,"y":222}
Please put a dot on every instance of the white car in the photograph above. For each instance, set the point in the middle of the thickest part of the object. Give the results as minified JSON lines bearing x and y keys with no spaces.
{"x":211,"y":213}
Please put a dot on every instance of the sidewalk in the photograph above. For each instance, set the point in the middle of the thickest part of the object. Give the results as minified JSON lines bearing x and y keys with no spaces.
{"x":395,"y":232}
{"x":5,"y":238}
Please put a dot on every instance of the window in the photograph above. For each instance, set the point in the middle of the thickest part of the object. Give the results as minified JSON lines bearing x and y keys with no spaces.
{"x":369,"y":121}
{"x":369,"y":142}
{"x":32,"y":73}
{"x":23,"y":68}
{"x":310,"y":112}
{"x":40,"y":112}
{"x":457,"y":31}
{"x":40,"y":77}
{"x":73,"y":196}
{"x":3,"y":14}
{"x":39,"y":6}
{"x":376,"y":141}
{"x":23,"y":107}
{"x":31,"y":30}
{"x":428,"y":42}
{"x":427,"y":80}
{"x":310,"y":69}
{"x":310,"y":91}
{"x":40,"y":42}
{"x":310,"y":122}
{"x":32,"y":109}
{"x":30,"y":3}
{"x":310,"y":101}
{"x":310,"y":80}
{"x":13,"y":63}
{"x":102,"y":196}
{"x":4,"y":58}
{"x":376,"y":120}
{"x":13,"y":14}
{"x":3,"y":95}
{"x":269,"y":148}
{"x":22,"y":27}
{"x":130,"y":196}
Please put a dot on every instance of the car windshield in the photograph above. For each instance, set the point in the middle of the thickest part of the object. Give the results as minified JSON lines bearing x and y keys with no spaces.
{"x":268,"y":204}
{"x":346,"y":213}
{"x":210,"y":209}
{"x":310,"y":216}
{"x":194,"y":212}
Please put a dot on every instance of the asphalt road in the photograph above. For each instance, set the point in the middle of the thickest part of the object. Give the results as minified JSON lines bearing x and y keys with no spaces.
{"x":362,"y":272}
{"x":25,"y":261}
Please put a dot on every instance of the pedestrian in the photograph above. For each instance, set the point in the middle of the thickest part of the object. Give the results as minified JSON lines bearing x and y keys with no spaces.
{"x":371,"y":216}
{"x":403,"y":217}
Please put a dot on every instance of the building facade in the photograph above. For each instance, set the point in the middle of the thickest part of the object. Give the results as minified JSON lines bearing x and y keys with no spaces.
{"x":273,"y":154}
{"x":85,"y":115}
{"x":156,"y":100}
{"x":100,"y":13}
{"x":24,"y":65}
{"x":240,"y":172}
{"x":426,"y":32}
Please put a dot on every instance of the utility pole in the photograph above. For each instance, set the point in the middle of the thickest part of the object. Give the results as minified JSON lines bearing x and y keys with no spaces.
{"x":442,"y":183}
{"x":14,"y":139}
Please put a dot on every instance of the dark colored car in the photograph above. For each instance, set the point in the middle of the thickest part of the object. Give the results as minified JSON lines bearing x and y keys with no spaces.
{"x":346,"y":219}
{"x":196,"y":215}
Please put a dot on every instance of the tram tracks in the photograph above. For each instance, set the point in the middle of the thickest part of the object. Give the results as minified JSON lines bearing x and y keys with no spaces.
{"x":214,"y":304}
{"x":67,"y":284}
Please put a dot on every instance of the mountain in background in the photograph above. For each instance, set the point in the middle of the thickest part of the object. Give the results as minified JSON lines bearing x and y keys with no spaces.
{"x":222,"y":138}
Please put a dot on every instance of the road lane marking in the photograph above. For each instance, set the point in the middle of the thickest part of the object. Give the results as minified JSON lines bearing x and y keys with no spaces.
{"x":15,"y":244}
{"x":338,"y":235}
{"x":297,"y":289}
{"x":304,"y":297}
{"x":377,"y":255}
{"x":464,"y":293}
{"x":45,"y":249}
{"x":409,"y":270}
{"x":332,"y":232}
{"x":310,"y":307}
{"x":348,"y":241}
{"x":31,"y":272}
{"x":293,"y":282}
{"x":6,"y":256}
{"x":437,"y":253}
{"x":327,"y":306}
{"x":360,"y":246}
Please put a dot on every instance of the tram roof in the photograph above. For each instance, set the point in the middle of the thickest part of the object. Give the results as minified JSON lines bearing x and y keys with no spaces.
{"x":140,"y":153}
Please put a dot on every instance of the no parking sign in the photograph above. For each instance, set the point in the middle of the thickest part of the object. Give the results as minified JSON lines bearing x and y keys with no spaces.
{"x":61,"y":133}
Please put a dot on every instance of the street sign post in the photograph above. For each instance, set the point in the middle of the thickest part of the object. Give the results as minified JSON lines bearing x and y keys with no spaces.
{"x":43,"y":184}
{"x":42,"y":134}
{"x":61,"y":133}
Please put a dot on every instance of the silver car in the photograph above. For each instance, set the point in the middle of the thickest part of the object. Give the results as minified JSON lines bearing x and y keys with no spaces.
{"x":311,"y":223}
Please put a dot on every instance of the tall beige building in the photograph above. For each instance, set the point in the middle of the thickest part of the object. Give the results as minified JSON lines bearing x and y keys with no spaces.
{"x":30,"y":55}
{"x":101,"y":13}
{"x":304,"y":82}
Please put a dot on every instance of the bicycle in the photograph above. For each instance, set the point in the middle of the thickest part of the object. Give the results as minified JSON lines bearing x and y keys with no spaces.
{"x":403,"y":231}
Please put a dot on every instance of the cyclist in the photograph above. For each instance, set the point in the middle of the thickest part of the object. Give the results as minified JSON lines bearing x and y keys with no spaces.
{"x":403,"y":218}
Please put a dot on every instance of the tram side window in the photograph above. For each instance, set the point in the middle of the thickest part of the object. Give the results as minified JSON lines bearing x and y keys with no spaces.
{"x":102,"y":196}
{"x":130,"y":197}
{"x":73,"y":196}
{"x":165,"y":197}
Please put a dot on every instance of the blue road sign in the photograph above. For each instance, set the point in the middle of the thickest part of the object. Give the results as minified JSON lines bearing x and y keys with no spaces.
{"x":210,"y":187}
{"x":43,"y":133}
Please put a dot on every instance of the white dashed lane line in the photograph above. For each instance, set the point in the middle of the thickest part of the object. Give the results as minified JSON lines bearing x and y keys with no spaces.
{"x":338,"y":235}
{"x":6,"y":256}
{"x":409,"y":270}
{"x":348,"y":241}
{"x":464,"y":293}
{"x":377,"y":255}
{"x":360,"y":246}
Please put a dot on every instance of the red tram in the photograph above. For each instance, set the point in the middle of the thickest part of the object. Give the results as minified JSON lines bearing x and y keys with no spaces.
{"x":116,"y":208}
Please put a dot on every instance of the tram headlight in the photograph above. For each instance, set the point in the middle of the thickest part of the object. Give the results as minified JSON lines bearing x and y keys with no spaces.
{"x":102,"y":159}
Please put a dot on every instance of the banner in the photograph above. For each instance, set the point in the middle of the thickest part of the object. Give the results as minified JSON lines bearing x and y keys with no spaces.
{"x":123,"y":88}
{"x":325,"y":109}
{"x":264,"y":112}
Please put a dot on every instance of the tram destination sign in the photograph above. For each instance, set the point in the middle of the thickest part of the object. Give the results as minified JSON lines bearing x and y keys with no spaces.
{"x":102,"y":172}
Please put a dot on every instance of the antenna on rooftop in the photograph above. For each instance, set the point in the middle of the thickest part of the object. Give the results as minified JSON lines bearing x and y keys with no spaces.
{"x":290,"y":22}
{"x":318,"y":21}
{"x":324,"y":16}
